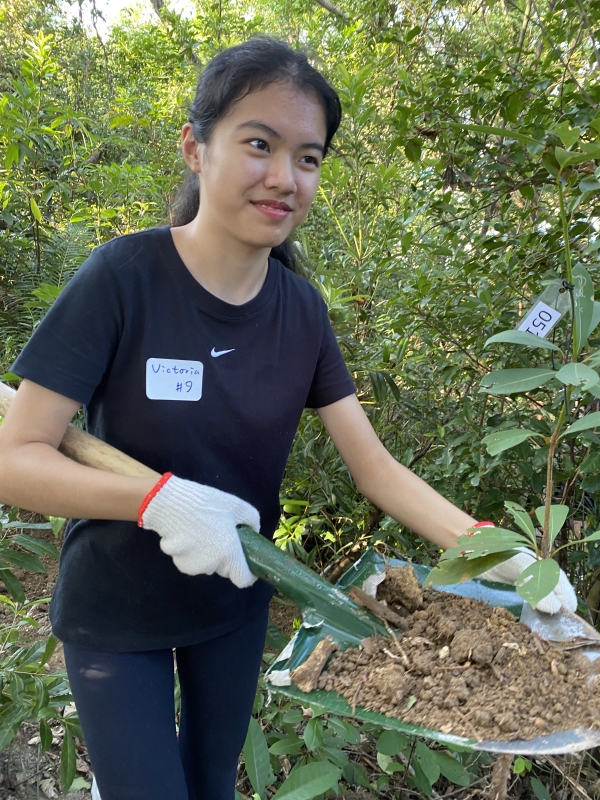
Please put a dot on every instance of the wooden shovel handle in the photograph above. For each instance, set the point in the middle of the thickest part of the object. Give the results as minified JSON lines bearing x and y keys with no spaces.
{"x":293,"y":579}
{"x":87,"y":449}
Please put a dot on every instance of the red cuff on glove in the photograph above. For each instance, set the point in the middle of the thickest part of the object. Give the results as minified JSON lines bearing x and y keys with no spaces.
{"x":150,"y":496}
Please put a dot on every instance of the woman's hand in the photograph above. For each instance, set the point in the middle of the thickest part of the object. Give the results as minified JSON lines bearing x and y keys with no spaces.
{"x":197,"y":528}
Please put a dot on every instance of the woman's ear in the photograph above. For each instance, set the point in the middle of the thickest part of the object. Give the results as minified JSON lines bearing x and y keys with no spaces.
{"x":190,"y":148}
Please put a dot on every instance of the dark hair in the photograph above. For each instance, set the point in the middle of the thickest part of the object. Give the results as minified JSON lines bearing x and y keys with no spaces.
{"x":229,"y":77}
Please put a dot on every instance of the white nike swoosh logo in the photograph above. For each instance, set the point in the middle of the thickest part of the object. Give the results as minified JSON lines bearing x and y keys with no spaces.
{"x":216,"y":353}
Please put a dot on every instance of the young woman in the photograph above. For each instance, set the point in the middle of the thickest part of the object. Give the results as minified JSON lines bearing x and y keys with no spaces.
{"x":194,"y":349}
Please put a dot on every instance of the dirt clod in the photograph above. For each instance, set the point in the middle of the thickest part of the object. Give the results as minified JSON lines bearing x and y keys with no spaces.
{"x":474,"y":670}
{"x":401,"y":586}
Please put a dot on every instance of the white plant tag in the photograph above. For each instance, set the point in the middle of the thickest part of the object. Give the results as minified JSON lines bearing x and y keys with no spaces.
{"x":540,"y":320}
{"x":172,"y":379}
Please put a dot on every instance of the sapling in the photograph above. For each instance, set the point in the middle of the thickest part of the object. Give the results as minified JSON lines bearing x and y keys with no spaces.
{"x":573,"y":374}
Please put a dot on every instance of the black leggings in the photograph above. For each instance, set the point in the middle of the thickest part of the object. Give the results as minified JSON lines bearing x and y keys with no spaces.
{"x":126,"y":708}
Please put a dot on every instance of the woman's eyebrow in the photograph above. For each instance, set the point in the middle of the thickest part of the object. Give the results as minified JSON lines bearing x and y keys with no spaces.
{"x":254,"y":123}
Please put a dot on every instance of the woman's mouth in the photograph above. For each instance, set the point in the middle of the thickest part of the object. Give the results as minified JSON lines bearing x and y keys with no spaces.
{"x":272,"y":208}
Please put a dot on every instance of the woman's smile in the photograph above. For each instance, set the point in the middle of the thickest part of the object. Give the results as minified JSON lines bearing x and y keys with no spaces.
{"x":272,"y":208}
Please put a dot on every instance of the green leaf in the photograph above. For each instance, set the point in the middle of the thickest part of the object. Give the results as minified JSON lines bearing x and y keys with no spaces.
{"x":13,"y":585}
{"x":588,"y":185}
{"x":256,"y":758}
{"x":504,"y":132}
{"x":448,"y":573}
{"x":308,"y":781}
{"x":38,"y":546}
{"x":511,"y":381}
{"x":35,"y":209}
{"x":45,"y":735}
{"x":584,"y":423}
{"x":576,"y":374}
{"x":538,"y":580}
{"x":293,"y":716}
{"x":452,"y":769}
{"x":68,"y":762}
{"x":79,"y":783}
{"x":388,"y":764}
{"x":504,"y":440}
{"x":57,"y":524}
{"x":482,"y":538}
{"x":593,"y":537}
{"x":8,"y":731}
{"x":49,"y":649}
{"x":121,"y":120}
{"x":356,"y":775}
{"x":595,"y":321}
{"x":10,"y":376}
{"x":591,"y":149}
{"x":522,"y":337}
{"x":390,"y":743}
{"x":521,"y":765}
{"x":558,"y":515}
{"x":313,"y":734}
{"x":289,"y":745}
{"x":412,"y":150}
{"x":567,"y":135}
{"x":12,"y":156}
{"x":344,"y":729}
{"x":428,"y":762}
{"x":584,"y":313}
{"x":23,"y":560}
{"x":527,"y":192}
{"x":591,"y":463}
{"x":565,"y":157}
{"x":540,"y":790}
{"x":420,"y":780}
{"x":521,"y":517}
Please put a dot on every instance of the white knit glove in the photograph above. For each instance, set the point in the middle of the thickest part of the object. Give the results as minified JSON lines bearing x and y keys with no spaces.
{"x":509,"y":571}
{"x":197,"y":528}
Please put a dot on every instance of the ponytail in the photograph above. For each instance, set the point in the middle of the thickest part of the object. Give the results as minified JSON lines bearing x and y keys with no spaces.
{"x":187,"y":201}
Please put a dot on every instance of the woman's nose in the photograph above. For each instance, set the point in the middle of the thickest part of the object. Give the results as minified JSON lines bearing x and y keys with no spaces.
{"x":281,"y":175}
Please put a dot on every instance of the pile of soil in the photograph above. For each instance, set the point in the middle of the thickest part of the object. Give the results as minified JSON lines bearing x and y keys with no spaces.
{"x":466,"y":668}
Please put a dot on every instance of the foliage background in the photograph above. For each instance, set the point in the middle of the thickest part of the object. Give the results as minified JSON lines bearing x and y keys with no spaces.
{"x":426,"y":238}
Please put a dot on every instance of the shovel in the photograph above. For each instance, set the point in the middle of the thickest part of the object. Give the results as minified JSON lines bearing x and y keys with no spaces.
{"x":328,"y":611}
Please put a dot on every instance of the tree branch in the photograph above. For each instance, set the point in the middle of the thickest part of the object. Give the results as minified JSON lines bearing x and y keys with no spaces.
{"x":330,"y":7}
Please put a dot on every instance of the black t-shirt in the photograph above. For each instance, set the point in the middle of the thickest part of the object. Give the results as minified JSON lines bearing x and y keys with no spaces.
{"x":228,"y":383}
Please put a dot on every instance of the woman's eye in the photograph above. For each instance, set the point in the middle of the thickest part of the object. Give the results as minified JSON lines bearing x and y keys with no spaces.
{"x":259,"y":144}
{"x":311,"y":160}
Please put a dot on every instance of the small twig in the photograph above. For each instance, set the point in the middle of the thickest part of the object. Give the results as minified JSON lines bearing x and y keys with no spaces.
{"x":376,"y":608}
{"x":500,"y":777}
{"x":397,"y":644}
{"x":363,"y":679}
{"x":574,"y":784}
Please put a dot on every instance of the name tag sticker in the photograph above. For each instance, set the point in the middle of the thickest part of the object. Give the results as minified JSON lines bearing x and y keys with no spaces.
{"x":540,"y":320}
{"x":172,"y":379}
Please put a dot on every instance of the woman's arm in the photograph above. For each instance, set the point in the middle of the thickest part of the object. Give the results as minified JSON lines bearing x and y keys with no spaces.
{"x":35,"y":476}
{"x":386,"y":483}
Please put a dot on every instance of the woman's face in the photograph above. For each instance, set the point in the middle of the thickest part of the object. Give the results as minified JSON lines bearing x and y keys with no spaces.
{"x":260,"y":170}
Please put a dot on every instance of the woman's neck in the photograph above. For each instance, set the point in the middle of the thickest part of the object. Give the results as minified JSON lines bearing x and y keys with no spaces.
{"x":233,"y":273}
